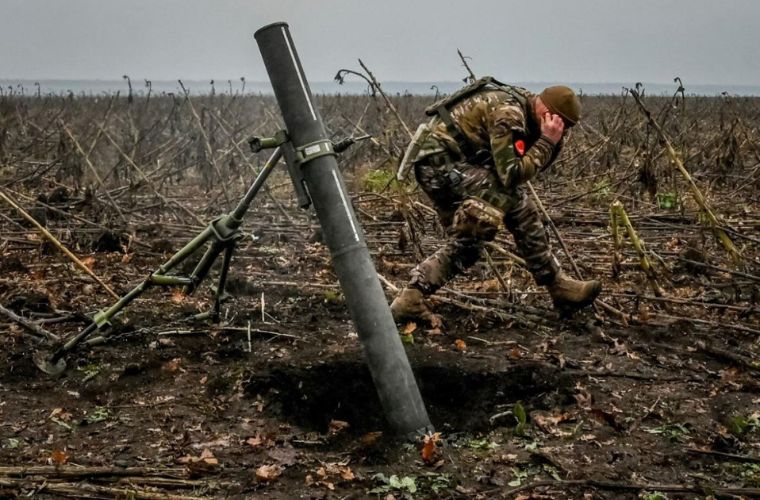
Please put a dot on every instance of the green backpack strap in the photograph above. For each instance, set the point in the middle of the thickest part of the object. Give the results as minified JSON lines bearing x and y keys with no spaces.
{"x":452,"y":99}
{"x":442,"y":108}
{"x":456,"y":133}
{"x":520,"y":94}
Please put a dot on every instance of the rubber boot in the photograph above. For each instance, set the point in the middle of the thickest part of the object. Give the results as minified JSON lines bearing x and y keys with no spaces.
{"x":410,"y":304}
{"x":570,"y":294}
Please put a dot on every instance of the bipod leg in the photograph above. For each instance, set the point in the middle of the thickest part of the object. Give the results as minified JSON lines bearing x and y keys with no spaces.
{"x":223,"y":234}
{"x":204,"y":266}
{"x":54,"y":364}
{"x":187,"y":250}
{"x":229,"y":249}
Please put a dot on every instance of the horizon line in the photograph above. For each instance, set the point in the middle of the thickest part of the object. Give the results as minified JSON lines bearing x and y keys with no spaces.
{"x":458,"y":82}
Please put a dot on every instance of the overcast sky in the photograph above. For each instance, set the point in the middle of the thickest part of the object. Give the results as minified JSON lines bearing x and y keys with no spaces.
{"x":702,"y":41}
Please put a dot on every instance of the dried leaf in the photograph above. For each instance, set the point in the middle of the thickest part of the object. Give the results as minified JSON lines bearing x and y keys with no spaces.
{"x":200,"y":464}
{"x":583,"y":397}
{"x":59,"y":457}
{"x":255,"y":441}
{"x":370,"y":438}
{"x":209,"y":457}
{"x":178,"y":296}
{"x":618,"y":347}
{"x":268,"y":473}
{"x":332,"y":468}
{"x":335,"y":427}
{"x":436,"y":321}
{"x":548,"y":422}
{"x":15,"y":330}
{"x":430,"y":451}
{"x":607,"y":418}
{"x":508,"y":458}
{"x":460,"y":345}
{"x":346,"y":474}
{"x":60,"y":414}
{"x":644,"y":315}
{"x":222,"y":442}
{"x":410,"y":328}
{"x":172,"y":366}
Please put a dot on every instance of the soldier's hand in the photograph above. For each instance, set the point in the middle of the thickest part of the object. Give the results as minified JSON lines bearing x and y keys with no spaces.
{"x":552,"y":126}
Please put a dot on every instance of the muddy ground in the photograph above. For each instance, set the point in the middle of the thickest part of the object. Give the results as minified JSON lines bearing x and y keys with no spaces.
{"x":275,"y":401}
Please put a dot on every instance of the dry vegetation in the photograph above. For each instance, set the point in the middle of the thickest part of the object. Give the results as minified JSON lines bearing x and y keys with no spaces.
{"x":661,"y":401}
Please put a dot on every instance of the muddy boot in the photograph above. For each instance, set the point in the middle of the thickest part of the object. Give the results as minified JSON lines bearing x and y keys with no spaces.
{"x":410,"y":304}
{"x":569,"y":294}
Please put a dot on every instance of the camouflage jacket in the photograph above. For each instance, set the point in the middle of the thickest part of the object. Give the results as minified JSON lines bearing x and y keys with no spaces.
{"x":495,"y":121}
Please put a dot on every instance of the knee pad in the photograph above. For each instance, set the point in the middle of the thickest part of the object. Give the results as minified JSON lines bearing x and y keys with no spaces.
{"x":477,"y":219}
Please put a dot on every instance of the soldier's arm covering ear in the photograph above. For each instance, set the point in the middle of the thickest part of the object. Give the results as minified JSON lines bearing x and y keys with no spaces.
{"x":506,"y":123}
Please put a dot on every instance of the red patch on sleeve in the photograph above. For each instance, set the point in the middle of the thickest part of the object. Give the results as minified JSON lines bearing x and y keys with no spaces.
{"x":520,"y":147}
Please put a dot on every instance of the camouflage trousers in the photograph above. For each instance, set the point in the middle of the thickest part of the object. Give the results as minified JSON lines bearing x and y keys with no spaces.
{"x":448,"y":186}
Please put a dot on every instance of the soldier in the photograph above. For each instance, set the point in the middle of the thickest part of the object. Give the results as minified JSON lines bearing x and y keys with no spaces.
{"x":472,"y":160}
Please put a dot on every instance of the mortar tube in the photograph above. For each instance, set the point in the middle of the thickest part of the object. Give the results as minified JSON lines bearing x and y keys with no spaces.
{"x":383,"y":350}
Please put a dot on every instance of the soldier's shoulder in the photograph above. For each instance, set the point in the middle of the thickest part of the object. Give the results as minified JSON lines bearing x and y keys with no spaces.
{"x":508,"y":109}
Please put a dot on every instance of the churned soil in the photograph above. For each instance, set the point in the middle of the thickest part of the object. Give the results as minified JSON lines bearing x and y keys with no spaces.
{"x":276,"y":401}
{"x":661,"y":401}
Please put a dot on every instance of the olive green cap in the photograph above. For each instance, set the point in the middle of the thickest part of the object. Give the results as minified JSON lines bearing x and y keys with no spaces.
{"x":562,"y":101}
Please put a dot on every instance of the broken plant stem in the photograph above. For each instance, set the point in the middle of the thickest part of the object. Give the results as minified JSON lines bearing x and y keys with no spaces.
{"x":618,"y":214}
{"x":716,"y":226}
{"x":28,"y":325}
{"x":249,"y":336}
{"x":719,"y":454}
{"x":636,"y":487}
{"x":576,"y":270}
{"x":495,"y":246}
{"x":725,"y":354}
{"x":90,"y":471}
{"x":148,"y":182}
{"x":387,"y":101}
{"x":94,"y":171}
{"x":85,"y":490}
{"x":206,"y":144}
{"x":499,"y":278}
{"x":390,"y":286}
{"x":471,"y":76}
{"x":57,"y":243}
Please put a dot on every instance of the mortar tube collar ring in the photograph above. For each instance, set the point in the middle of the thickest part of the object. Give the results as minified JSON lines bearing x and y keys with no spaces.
{"x":314,"y":150}
{"x":222,"y":232}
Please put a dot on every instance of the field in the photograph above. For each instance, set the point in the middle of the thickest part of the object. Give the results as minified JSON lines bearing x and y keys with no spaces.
{"x":654,"y":395}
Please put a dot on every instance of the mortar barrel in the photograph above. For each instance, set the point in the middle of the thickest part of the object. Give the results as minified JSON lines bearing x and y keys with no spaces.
{"x":383,"y":350}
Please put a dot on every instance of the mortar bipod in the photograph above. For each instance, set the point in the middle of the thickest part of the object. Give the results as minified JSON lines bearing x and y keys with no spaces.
{"x":222,"y":234}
